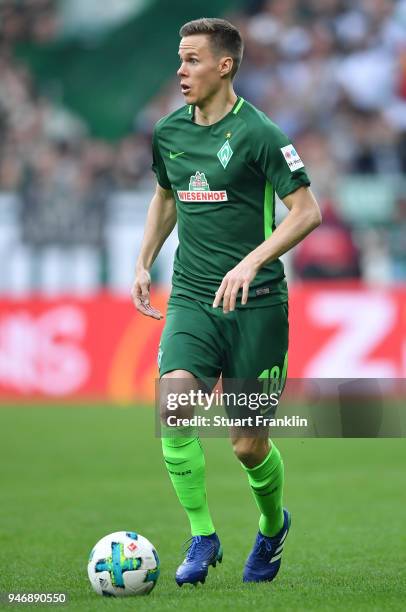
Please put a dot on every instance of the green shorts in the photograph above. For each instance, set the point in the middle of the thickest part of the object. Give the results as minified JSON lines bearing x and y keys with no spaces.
{"x":244,"y":344}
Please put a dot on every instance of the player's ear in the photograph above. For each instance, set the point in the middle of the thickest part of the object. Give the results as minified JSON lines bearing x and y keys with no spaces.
{"x":225,"y":66}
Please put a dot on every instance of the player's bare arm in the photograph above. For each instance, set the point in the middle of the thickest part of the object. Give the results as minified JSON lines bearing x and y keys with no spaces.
{"x":304,"y":216}
{"x":161,"y":220}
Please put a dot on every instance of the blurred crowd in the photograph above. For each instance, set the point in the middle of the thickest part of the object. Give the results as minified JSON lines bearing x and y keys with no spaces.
{"x":64,"y":176}
{"x":330,"y":73}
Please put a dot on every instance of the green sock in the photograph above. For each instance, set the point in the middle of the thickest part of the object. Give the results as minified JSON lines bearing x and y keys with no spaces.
{"x":184,"y":460}
{"x":266,"y":480}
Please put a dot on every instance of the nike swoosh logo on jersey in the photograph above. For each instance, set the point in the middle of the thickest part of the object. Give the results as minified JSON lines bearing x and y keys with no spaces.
{"x":175,"y":155}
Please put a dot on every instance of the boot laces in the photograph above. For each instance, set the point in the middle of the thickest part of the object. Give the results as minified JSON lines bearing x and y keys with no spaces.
{"x":192,"y":546}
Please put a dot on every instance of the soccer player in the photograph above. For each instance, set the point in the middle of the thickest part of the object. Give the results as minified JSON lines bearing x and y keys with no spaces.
{"x":218,"y":162}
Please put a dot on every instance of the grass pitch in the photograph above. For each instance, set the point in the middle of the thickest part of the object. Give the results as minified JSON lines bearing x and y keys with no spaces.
{"x":70,"y":475}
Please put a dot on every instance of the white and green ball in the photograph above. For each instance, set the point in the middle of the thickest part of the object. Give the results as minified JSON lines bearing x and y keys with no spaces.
{"x":123,"y":563}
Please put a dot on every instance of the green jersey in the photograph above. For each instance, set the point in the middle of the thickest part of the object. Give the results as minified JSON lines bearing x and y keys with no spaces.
{"x":224,"y":178}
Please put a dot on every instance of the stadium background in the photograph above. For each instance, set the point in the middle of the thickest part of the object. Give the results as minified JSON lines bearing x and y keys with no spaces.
{"x":80,"y":89}
{"x":81,"y":86}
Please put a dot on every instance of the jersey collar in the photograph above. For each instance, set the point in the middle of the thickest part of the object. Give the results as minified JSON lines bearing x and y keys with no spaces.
{"x":236,"y":109}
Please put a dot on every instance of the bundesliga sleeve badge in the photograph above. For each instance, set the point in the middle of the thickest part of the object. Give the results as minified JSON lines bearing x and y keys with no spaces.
{"x":292,"y":157}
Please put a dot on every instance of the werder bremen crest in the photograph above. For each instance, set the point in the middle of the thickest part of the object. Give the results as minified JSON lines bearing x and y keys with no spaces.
{"x":225,"y":154}
{"x":198,"y":182}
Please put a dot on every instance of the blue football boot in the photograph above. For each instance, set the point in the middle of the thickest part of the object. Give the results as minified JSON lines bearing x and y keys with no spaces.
{"x":265,"y":559}
{"x":202,"y":552}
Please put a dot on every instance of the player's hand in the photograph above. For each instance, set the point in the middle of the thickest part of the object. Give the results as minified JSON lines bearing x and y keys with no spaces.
{"x":239,"y":277}
{"x":140,"y":295}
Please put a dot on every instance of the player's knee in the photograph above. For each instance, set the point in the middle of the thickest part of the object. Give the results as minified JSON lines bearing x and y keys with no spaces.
{"x":164,"y":406}
{"x":168,"y":405}
{"x":172,"y":385}
{"x":250,"y":451}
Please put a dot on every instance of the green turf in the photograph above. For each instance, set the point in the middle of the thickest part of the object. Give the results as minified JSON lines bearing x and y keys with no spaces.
{"x":71,"y":475}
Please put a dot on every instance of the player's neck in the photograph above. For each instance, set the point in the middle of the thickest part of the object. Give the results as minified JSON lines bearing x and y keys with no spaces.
{"x":217,"y":107}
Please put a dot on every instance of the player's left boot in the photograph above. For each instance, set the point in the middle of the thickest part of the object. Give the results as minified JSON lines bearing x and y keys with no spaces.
{"x":202,"y":552}
{"x":265,"y":559}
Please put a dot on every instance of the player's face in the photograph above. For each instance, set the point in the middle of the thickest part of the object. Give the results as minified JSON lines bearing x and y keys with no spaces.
{"x":200,"y":70}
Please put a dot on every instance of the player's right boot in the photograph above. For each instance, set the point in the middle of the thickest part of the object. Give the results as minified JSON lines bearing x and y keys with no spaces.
{"x":265,"y":559}
{"x":202,"y":552}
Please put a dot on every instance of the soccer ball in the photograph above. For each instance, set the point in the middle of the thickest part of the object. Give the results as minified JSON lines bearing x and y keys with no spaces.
{"x":123,"y":563}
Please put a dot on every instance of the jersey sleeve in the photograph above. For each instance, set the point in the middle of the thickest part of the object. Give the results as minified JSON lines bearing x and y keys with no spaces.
{"x":278,"y":159}
{"x":158,"y":165}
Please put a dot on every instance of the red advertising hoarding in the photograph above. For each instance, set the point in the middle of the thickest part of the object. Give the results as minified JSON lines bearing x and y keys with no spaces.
{"x":101,"y":349}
